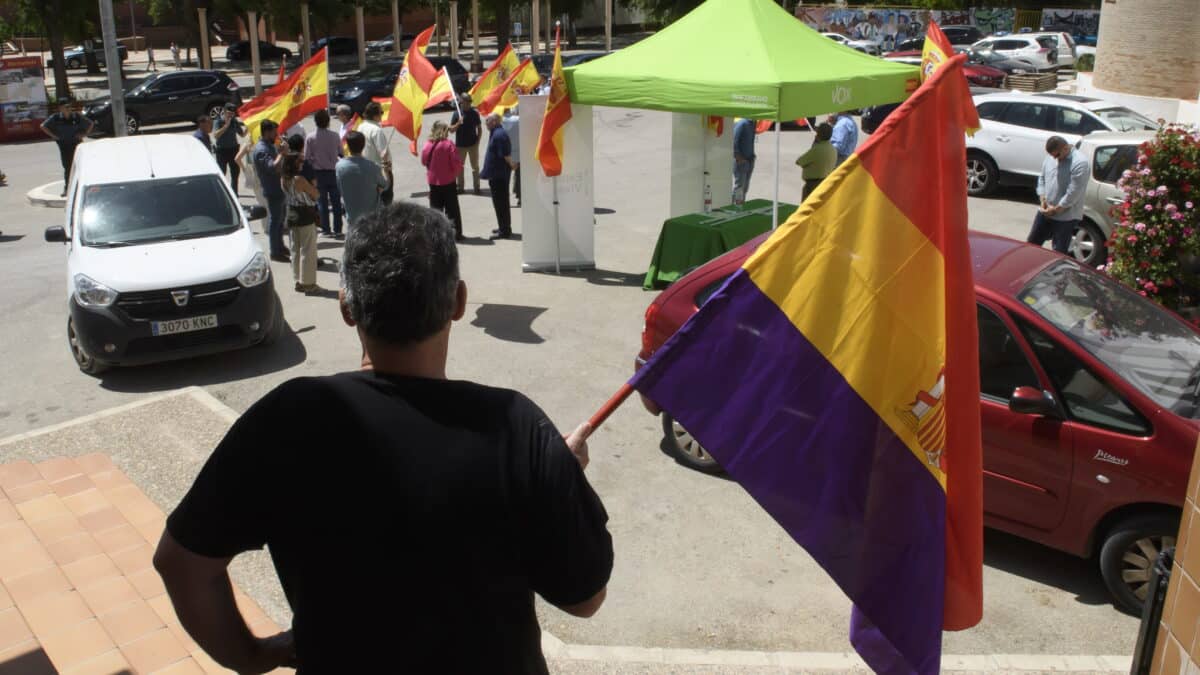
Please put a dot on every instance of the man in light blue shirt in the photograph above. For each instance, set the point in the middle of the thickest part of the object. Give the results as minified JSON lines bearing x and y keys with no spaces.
{"x":359,"y":180}
{"x":743,"y":158}
{"x":845,"y":136}
{"x":1060,"y":187}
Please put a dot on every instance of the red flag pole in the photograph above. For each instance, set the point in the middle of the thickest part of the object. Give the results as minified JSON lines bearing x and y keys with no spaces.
{"x":610,"y":405}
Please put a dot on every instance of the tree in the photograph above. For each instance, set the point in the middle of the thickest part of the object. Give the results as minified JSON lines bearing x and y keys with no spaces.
{"x":180,"y":13}
{"x":61,"y":20}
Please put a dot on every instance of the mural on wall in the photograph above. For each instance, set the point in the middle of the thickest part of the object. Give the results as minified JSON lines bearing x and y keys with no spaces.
{"x":1084,"y":22}
{"x":891,"y":25}
{"x":994,"y":19}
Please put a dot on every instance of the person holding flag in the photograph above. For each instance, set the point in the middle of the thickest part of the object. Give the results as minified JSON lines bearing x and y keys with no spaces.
{"x":300,"y":95}
{"x":467,"y":128}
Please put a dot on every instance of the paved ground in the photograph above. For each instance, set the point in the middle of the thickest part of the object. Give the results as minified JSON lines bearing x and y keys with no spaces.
{"x":699,"y":566}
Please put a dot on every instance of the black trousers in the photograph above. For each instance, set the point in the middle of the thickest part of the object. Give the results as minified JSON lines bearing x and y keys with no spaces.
{"x":810,"y":186}
{"x":225,"y":159}
{"x":444,"y":198}
{"x":66,"y":152}
{"x":517,"y":183}
{"x":500,"y":202}
{"x":1059,"y":232}
{"x":388,"y":193}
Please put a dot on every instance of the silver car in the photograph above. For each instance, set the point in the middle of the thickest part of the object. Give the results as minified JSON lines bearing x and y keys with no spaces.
{"x":1110,"y":154}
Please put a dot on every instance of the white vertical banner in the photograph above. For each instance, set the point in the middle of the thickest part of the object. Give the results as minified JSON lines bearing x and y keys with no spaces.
{"x":569,"y":241}
{"x":695,"y":148}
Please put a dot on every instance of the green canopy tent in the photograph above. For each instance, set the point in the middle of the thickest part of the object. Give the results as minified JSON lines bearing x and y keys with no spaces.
{"x":742,"y":58}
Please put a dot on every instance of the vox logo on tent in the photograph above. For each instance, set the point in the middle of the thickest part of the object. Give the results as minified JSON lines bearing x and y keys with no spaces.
{"x":841,"y":95}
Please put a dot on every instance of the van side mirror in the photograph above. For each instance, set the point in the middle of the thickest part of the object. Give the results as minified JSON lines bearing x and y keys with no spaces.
{"x":255,"y":212}
{"x":56,"y":233}
{"x":1033,"y":401}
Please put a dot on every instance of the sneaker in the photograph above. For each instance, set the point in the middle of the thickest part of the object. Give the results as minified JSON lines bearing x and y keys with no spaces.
{"x":308,"y":289}
{"x":281,"y":257}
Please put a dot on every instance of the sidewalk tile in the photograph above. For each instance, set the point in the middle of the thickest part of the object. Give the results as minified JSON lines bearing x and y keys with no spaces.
{"x":27,"y":658}
{"x":187,"y":666}
{"x":90,"y":570}
{"x":106,"y":518}
{"x":87,"y":501}
{"x":119,"y":538}
{"x":58,"y":468}
{"x":108,"y":594}
{"x":8,"y":512}
{"x":131,"y":622}
{"x":161,"y":604}
{"x":94,"y":463}
{"x":133,"y":560}
{"x":82,"y":642}
{"x":57,"y":528}
{"x":28,"y":491}
{"x":152,"y":529}
{"x":183,"y":637}
{"x":18,"y":473}
{"x":148,"y":583}
{"x":48,"y":581}
{"x":13,"y":629}
{"x":72,"y":485}
{"x":205,"y":661}
{"x":51,"y":613}
{"x":109,"y":663}
{"x":41,"y":508}
{"x":156,"y":650}
{"x":6,"y":600}
{"x":108,"y":480}
{"x":75,"y":547}
{"x":15,"y":536}
{"x":23,"y":561}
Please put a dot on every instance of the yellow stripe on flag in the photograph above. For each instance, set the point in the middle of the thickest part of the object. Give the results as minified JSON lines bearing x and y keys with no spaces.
{"x":558,"y":113}
{"x":306,"y":92}
{"x":495,"y":75}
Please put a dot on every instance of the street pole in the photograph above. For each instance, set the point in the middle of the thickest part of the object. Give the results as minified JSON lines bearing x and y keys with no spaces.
{"x":205,"y":50}
{"x":476,"y":64}
{"x":396,"y":34}
{"x":305,"y":33}
{"x":608,"y":21}
{"x":362,"y":37}
{"x":108,"y":30}
{"x":255,"y":64}
{"x":454,"y":29}
{"x":534,"y":29}
{"x":132,"y":28}
{"x":437,"y":25}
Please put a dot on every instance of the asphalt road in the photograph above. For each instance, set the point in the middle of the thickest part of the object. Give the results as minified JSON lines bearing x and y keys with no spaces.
{"x":698,"y":563}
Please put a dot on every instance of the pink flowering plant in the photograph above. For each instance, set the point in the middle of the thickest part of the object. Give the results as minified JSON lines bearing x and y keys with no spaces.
{"x":1159,"y":220}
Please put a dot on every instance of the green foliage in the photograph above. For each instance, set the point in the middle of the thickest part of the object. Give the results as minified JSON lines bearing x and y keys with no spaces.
{"x":1159,"y":220}
{"x":1086,"y":63}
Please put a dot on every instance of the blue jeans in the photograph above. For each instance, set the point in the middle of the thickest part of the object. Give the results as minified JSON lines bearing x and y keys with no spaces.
{"x":1059,"y":232}
{"x":276,"y":212}
{"x":330,"y":199}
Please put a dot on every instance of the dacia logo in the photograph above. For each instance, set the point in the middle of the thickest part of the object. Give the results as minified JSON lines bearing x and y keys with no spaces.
{"x":181,"y":297}
{"x":841,"y":95}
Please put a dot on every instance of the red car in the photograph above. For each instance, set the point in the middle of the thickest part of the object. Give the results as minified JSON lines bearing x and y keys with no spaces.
{"x":977,"y":74}
{"x":1089,"y":397}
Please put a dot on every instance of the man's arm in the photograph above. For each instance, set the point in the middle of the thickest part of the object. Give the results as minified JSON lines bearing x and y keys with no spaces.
{"x":90,"y":125}
{"x":46,"y":129}
{"x":807,"y":158}
{"x":202,"y":594}
{"x":222,"y":129}
{"x":838,"y":139}
{"x":1076,"y":188}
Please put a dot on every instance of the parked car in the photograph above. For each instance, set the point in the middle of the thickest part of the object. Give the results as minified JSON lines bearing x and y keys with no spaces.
{"x":170,"y":96}
{"x":1041,"y":52}
{"x":962,"y":35}
{"x":977,"y":74}
{"x":240,"y":51}
{"x":1077,"y":35}
{"x":338,"y":46}
{"x":1110,"y":154}
{"x":1065,"y":45}
{"x":875,"y":115}
{"x":387,"y":43}
{"x":1088,"y":401}
{"x":379,"y":79}
{"x":864,"y":46}
{"x":544,"y":63}
{"x":1011,"y":143}
{"x":161,"y":263}
{"x":1011,"y":65}
{"x":75,"y":57}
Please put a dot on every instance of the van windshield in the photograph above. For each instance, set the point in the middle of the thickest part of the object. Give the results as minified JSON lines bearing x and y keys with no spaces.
{"x":123,"y":214}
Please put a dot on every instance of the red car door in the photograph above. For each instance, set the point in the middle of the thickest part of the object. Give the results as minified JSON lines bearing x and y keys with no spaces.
{"x":1027,"y":459}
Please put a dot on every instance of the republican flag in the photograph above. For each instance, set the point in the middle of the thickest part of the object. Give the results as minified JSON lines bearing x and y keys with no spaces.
{"x":522,"y":81}
{"x":835,"y":376}
{"x":558,"y":112}
{"x":411,"y":93}
{"x":495,"y":75}
{"x":300,"y":95}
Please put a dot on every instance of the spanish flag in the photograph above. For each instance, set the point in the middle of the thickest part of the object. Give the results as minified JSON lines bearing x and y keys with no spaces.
{"x":522,"y":81}
{"x":935,"y":54}
{"x":852,"y":414}
{"x":304,"y":93}
{"x":495,"y":75}
{"x":441,"y":91}
{"x":267,"y":96}
{"x":558,"y":113}
{"x":411,"y":92}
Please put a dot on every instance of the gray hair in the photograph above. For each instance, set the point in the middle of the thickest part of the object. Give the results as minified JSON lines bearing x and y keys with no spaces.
{"x":493,"y":116}
{"x":400,"y":273}
{"x":346,"y":110}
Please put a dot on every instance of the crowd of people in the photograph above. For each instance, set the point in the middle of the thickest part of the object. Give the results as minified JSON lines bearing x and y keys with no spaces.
{"x":319,"y":183}
{"x":833,"y":142}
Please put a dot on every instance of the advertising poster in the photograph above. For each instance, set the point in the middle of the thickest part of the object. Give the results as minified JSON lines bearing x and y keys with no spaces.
{"x":23,"y":104}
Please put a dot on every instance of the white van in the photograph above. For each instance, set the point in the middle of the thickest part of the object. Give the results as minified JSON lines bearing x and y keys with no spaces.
{"x":161,"y":263}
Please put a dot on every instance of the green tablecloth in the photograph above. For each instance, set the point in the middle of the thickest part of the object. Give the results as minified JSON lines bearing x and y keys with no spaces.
{"x":694,"y":239}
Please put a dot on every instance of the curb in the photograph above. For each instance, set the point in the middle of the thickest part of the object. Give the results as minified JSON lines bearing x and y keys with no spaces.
{"x":47,"y":195}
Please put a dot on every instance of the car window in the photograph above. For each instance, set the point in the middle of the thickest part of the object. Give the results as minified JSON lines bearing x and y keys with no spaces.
{"x":990,"y":110}
{"x":1071,"y":121}
{"x":139,"y":212}
{"x":1009,"y":45}
{"x":1124,"y":119}
{"x":1112,"y":160}
{"x":1048,"y":42}
{"x":1032,"y":115}
{"x":1084,"y":394}
{"x":171,"y":85}
{"x":1146,"y":346}
{"x":204,"y":81}
{"x":984,"y":45}
{"x":1002,"y":365}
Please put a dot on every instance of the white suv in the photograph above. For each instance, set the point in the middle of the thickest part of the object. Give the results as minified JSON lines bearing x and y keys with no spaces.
{"x":1110,"y":154}
{"x":866,"y":46}
{"x":1041,"y":51}
{"x":1011,"y":143}
{"x":1063,"y":43}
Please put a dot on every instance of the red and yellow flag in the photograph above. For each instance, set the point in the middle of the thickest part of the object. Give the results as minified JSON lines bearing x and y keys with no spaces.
{"x":495,"y":75}
{"x":558,"y":113}
{"x":300,"y":95}
{"x":411,"y":93}
{"x":522,"y":81}
{"x":442,"y":91}
{"x":716,"y":124}
{"x":936,"y":53}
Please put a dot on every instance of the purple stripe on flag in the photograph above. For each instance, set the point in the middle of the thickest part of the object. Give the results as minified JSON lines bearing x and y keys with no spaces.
{"x":787,"y":426}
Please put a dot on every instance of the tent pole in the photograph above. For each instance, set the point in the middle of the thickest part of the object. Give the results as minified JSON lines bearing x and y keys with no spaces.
{"x":557,"y":229}
{"x":704,"y":189}
{"x":778,"y":169}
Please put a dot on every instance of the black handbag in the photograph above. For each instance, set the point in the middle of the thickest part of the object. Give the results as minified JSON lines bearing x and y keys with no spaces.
{"x":301,"y":215}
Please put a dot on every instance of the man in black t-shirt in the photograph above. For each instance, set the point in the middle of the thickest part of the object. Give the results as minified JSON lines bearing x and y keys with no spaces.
{"x":468,"y":129}
{"x":412,"y":526}
{"x":68,"y":127}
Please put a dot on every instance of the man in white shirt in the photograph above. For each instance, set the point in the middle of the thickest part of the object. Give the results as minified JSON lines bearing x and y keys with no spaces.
{"x":376,"y":149}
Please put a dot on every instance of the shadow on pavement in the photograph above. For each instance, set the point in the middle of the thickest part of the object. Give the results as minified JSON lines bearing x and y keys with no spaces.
{"x":608,"y":277}
{"x":4,"y":238}
{"x":601,"y":211}
{"x":1045,"y":565}
{"x":214,"y":369}
{"x":511,"y":323}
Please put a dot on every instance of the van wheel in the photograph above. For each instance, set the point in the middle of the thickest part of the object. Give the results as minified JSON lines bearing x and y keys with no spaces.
{"x":275,"y":332}
{"x":85,"y":362}
{"x":686,"y":449}
{"x":1087,"y":244}
{"x":1129,"y":552}
{"x":982,"y":175}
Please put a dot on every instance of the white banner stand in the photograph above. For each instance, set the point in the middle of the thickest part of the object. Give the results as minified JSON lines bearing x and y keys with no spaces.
{"x":696,"y":150}
{"x":562,"y":238}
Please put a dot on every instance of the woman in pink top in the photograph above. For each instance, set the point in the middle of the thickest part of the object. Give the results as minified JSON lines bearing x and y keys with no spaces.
{"x":442,"y":164}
